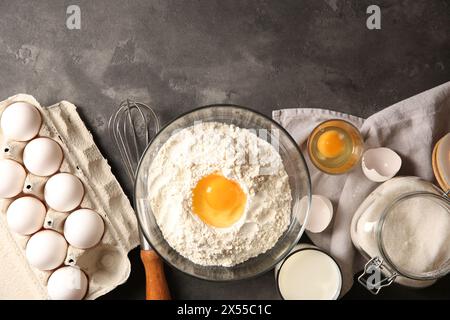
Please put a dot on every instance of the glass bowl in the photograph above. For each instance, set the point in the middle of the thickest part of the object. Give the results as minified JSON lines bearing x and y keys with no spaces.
{"x":294,"y":164}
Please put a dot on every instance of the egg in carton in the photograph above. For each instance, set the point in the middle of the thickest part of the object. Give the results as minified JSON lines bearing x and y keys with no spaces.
{"x":105,"y":264}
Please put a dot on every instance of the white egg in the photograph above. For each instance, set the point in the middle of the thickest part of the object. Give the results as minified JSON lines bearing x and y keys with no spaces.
{"x":63,"y":192}
{"x":320,"y":213}
{"x":12,"y":178}
{"x":380,"y":164}
{"x":25,"y":215}
{"x":46,"y":250}
{"x":84,"y":228}
{"x":42,"y":156}
{"x":67,"y":283}
{"x":21,"y":121}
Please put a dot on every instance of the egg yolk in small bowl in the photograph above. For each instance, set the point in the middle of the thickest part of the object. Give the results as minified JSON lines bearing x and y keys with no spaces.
{"x":218,"y":201}
{"x":331,"y":144}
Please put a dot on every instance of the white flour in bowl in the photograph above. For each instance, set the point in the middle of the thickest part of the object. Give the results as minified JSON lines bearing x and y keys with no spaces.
{"x":239,"y":155}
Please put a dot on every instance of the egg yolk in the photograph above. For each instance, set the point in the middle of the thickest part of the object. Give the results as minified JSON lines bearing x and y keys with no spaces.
{"x":218,"y":201}
{"x":331,"y":144}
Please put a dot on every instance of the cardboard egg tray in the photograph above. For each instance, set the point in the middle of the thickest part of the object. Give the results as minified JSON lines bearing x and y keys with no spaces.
{"x":106,"y":264}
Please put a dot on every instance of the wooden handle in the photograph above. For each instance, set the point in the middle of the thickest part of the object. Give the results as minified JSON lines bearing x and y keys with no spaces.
{"x":156,"y":284}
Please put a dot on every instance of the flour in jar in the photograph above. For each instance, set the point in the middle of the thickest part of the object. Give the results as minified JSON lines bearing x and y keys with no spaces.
{"x":415,"y":234}
{"x":238,"y":177}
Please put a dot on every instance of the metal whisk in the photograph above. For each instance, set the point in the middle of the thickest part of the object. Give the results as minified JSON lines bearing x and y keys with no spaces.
{"x":131,"y":128}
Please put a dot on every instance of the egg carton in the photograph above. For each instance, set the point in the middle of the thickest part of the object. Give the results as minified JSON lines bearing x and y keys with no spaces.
{"x":106,"y":265}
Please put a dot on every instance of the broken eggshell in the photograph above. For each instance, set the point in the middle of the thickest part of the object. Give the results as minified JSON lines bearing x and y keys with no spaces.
{"x":380,"y":164}
{"x":320,"y":213}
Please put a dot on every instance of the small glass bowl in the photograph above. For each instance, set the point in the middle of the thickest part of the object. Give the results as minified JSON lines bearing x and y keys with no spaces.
{"x":336,"y":165}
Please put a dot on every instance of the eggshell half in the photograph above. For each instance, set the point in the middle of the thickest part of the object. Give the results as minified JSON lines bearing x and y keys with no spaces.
{"x":320,"y":214}
{"x":12,"y":178}
{"x":46,"y":250}
{"x":67,"y":283}
{"x":380,"y":164}
{"x":21,"y":121}
{"x":42,"y":156}
{"x":84,"y":228}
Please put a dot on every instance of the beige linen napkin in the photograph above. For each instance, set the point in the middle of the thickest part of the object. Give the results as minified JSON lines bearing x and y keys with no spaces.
{"x":410,"y":127}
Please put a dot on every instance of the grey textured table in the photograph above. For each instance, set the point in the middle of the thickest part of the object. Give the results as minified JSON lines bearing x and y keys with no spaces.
{"x":177,"y":55}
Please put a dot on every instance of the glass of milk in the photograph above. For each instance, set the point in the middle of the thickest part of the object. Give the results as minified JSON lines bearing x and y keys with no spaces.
{"x":308,"y":273}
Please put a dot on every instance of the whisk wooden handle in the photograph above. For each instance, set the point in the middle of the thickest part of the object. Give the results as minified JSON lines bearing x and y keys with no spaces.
{"x":156,"y":284}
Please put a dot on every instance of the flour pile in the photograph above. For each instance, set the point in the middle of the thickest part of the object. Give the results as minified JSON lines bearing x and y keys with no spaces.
{"x":239,"y":155}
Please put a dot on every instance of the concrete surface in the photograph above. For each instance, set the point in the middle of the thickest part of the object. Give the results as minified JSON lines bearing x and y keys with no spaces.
{"x":177,"y":55}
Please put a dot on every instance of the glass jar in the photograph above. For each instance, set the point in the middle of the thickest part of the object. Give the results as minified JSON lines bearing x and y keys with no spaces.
{"x":403,"y":229}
